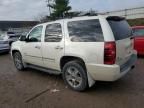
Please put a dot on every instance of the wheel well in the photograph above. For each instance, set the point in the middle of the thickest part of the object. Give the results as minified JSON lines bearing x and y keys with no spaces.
{"x":67,"y":59}
{"x":14,"y":51}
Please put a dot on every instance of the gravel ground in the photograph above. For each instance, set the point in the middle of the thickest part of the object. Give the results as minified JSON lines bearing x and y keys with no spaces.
{"x":35,"y":89}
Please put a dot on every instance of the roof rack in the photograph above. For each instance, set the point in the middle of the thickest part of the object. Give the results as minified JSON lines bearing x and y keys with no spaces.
{"x":80,"y":15}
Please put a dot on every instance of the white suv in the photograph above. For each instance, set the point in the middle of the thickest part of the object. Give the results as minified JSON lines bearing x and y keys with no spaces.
{"x":82,"y":49}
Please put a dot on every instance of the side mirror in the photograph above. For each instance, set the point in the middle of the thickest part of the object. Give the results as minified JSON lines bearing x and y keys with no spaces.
{"x":22,"y":38}
{"x":32,"y":40}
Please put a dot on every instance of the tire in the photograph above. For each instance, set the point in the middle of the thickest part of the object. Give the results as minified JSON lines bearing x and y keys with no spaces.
{"x":18,"y":61}
{"x":74,"y":75}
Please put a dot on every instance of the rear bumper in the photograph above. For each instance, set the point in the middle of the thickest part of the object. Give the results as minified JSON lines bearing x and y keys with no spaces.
{"x":110,"y":72}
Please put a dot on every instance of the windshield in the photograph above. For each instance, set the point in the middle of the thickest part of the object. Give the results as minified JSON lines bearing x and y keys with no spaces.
{"x":138,"y":32}
{"x":120,"y":27}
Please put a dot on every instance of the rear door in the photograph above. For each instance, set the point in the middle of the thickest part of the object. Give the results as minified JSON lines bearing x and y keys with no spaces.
{"x":123,"y":37}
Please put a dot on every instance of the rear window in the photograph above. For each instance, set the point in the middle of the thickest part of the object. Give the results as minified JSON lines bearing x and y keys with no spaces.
{"x":138,"y":32}
{"x":120,"y":27}
{"x":85,"y":31}
{"x":10,"y":33}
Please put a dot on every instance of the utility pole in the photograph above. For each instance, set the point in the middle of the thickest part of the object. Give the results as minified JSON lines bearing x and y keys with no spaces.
{"x":48,"y":2}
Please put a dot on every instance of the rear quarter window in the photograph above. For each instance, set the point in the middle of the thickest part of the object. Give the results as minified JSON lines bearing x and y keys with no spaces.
{"x":85,"y":31}
{"x":120,"y":28}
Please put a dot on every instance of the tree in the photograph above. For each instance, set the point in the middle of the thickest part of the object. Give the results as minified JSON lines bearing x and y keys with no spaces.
{"x":60,"y":8}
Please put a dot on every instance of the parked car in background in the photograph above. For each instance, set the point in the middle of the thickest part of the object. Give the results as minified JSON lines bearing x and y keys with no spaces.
{"x":12,"y":37}
{"x":6,"y":39}
{"x":139,"y":39}
{"x":4,"y":44}
{"x":82,"y":49}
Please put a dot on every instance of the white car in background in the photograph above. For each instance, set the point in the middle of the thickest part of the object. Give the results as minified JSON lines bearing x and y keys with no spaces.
{"x":4,"y":44}
{"x":6,"y":39}
{"x":83,"y":49}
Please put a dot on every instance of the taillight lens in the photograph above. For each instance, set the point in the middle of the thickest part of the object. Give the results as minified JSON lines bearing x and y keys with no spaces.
{"x":109,"y":53}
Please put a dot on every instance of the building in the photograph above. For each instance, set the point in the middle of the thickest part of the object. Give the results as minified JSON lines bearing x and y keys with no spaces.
{"x":16,"y":26}
{"x":132,"y":13}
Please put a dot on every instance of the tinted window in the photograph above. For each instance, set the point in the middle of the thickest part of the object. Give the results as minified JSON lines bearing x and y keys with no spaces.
{"x":120,"y":28}
{"x":53,"y":33}
{"x":85,"y":31}
{"x":35,"y":34}
{"x":138,"y":32}
{"x":10,"y":33}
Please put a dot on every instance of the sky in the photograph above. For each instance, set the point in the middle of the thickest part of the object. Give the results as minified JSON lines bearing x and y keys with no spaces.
{"x":34,"y":9}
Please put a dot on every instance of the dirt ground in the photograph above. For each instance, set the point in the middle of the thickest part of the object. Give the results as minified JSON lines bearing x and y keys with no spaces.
{"x":35,"y":89}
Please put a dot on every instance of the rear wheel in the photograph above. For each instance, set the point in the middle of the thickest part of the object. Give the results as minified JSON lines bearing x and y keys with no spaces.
{"x":74,"y":75}
{"x":18,"y":61}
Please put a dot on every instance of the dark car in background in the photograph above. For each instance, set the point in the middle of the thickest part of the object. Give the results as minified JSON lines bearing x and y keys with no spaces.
{"x":12,"y":37}
{"x":138,"y":32}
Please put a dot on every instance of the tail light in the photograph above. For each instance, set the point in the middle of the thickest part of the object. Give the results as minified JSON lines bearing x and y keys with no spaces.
{"x":109,"y":53}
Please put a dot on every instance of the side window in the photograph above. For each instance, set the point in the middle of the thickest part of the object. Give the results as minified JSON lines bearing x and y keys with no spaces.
{"x":138,"y":32}
{"x":85,"y":31}
{"x":35,"y":34}
{"x":53,"y":33}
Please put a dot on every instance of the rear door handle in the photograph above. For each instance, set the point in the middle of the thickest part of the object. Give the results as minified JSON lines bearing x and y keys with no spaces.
{"x":37,"y":47}
{"x":58,"y":47}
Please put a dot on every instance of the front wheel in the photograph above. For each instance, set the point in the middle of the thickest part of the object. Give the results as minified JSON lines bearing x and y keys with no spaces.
{"x":74,"y":75}
{"x":18,"y":61}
